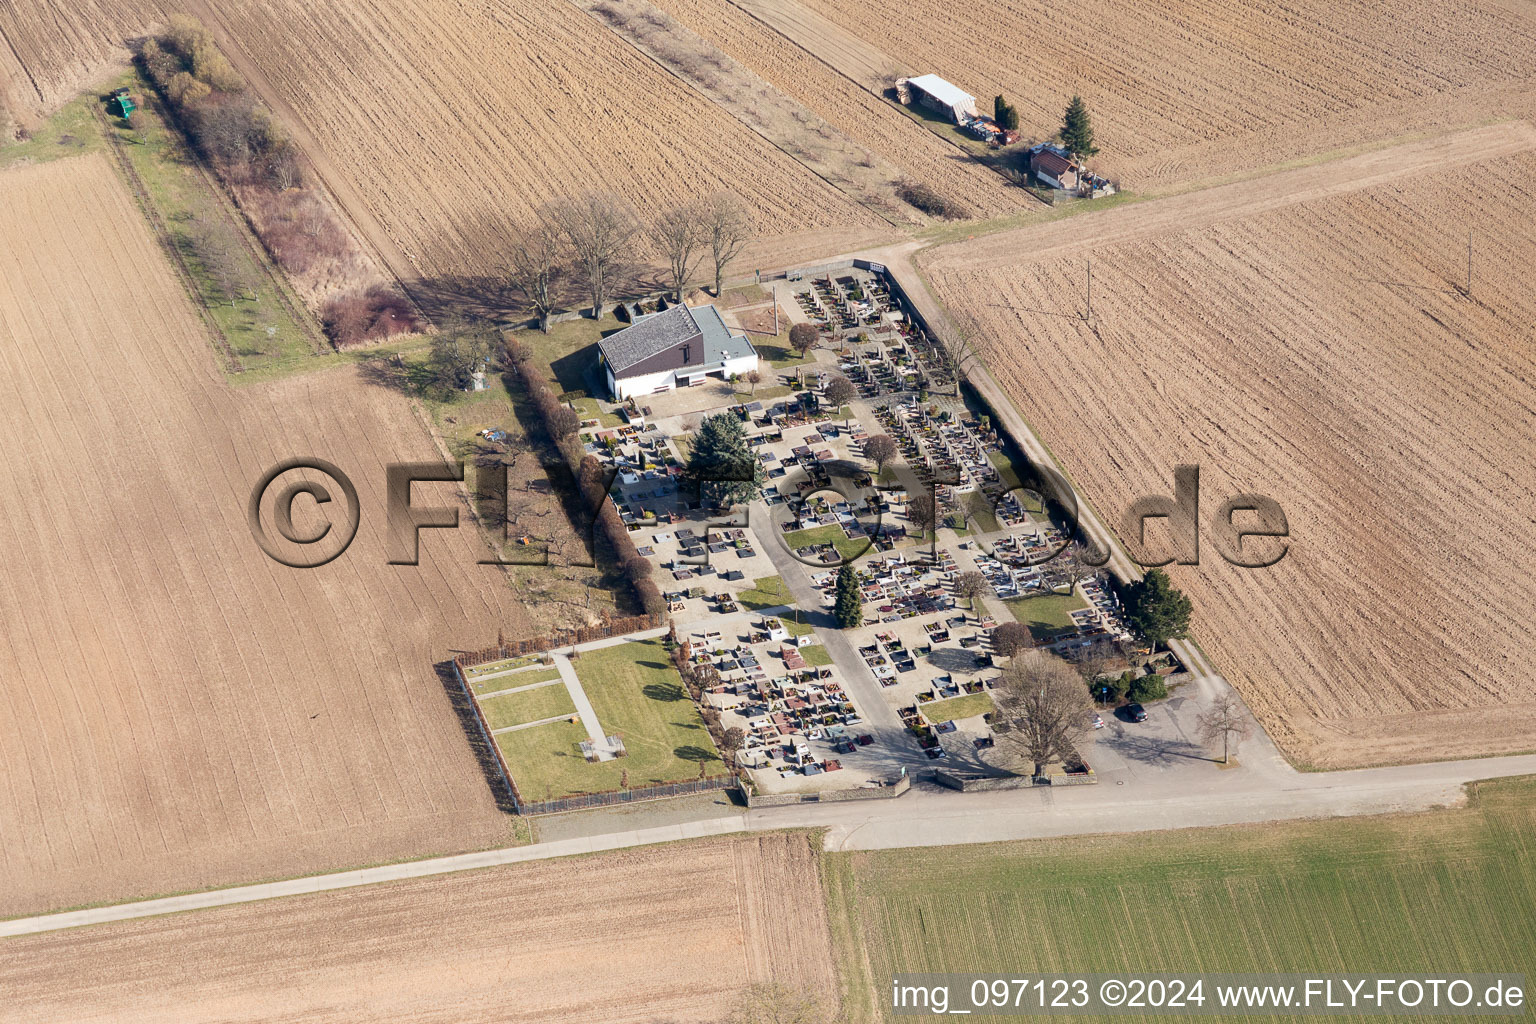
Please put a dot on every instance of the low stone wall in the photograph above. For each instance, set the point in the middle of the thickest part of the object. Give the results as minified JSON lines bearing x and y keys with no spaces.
{"x":993,"y":783}
{"x":890,"y":791}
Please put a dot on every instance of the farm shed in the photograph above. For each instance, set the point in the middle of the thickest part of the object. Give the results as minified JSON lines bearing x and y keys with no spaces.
{"x":675,"y":348}
{"x":1054,"y":167}
{"x":936,"y":94}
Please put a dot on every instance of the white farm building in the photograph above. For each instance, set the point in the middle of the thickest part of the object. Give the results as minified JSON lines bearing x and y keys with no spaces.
{"x":675,"y":348}
{"x":936,"y":94}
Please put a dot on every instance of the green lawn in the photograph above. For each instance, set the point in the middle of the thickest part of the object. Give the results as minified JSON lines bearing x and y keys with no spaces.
{"x":516,"y":679}
{"x":767,"y":592}
{"x":569,"y":350}
{"x":592,"y":409}
{"x":527,"y":706}
{"x":71,"y":131}
{"x":1047,"y":615}
{"x":816,"y":655}
{"x":778,"y":354}
{"x":499,"y":666}
{"x":546,"y":760}
{"x":848,"y":547}
{"x":1426,"y":894}
{"x":958,"y":707}
{"x":637,"y":694}
{"x":795,"y":628}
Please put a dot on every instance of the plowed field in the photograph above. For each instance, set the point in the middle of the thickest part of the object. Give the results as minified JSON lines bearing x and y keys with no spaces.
{"x":50,"y":49}
{"x":448,"y":122}
{"x":1303,"y":337}
{"x":666,"y":933}
{"x":180,"y":710}
{"x":1182,"y":89}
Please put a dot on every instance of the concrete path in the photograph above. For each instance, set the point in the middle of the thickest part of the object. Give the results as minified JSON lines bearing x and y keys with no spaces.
{"x":529,"y":725}
{"x":926,"y":816}
{"x":583,"y":707}
{"x":520,"y":689}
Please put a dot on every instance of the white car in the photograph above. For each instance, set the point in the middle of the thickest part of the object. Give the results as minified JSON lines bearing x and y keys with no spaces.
{"x":1098,"y":720}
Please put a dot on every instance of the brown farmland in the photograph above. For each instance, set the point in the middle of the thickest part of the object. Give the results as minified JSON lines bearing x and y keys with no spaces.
{"x":665,"y":933}
{"x":1303,"y":336}
{"x":1192,"y":90}
{"x":49,"y":50}
{"x":180,"y":710}
{"x":442,"y":123}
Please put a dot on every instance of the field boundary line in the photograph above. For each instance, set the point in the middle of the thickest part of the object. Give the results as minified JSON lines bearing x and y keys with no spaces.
{"x":366,"y":230}
{"x":729,"y":109}
{"x":707,"y":828}
{"x":130,"y":176}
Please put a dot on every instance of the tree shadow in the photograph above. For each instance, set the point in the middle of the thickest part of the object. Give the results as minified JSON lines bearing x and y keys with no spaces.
{"x":479,"y":744}
{"x":954,"y":659}
{"x":695,"y":754}
{"x":663,"y":691}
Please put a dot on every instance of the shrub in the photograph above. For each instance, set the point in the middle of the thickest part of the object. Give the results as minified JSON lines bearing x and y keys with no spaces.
{"x":1110,"y":689}
{"x":211,"y":66}
{"x":356,"y":318}
{"x":926,"y":199}
{"x":1149,"y":687}
{"x":183,"y":33}
{"x":183,"y":90}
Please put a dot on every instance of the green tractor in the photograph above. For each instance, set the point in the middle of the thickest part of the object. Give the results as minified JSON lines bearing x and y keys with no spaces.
{"x":120,"y":104}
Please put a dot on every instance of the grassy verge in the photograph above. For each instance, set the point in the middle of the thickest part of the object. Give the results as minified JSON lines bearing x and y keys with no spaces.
{"x":768,"y":592}
{"x":516,"y":679}
{"x":968,"y":706}
{"x":249,"y":299}
{"x":70,"y":132}
{"x":816,"y":655}
{"x":1311,"y":896}
{"x":527,"y":706}
{"x":848,"y":547}
{"x":1048,"y":615}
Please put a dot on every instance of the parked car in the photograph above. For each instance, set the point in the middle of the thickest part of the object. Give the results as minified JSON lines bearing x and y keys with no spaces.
{"x":1098,"y":720}
{"x":1136,"y":713}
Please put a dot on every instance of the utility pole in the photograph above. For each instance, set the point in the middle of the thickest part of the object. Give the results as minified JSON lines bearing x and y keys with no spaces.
{"x":1469,"y":262}
{"x":1089,"y":316}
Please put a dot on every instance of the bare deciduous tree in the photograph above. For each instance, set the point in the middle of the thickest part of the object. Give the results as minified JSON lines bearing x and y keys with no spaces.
{"x":776,"y":1004}
{"x":727,"y":228}
{"x":680,"y":234}
{"x":599,"y":229}
{"x":754,"y":378}
{"x":803,"y":338}
{"x":1010,"y":638}
{"x":536,"y":260}
{"x":1225,"y":720}
{"x":971,"y":585}
{"x":923,"y":512}
{"x":1047,"y":704}
{"x":880,"y":450}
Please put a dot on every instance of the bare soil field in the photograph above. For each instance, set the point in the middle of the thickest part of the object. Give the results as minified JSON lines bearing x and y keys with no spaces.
{"x":51,"y":49}
{"x":665,"y":933}
{"x":181,"y":710}
{"x":1302,"y":336}
{"x":856,"y":112}
{"x":448,"y":123}
{"x":1182,"y":90}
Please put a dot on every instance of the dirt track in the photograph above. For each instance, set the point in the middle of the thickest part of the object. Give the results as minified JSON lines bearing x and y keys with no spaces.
{"x":1301,"y":336}
{"x":183,"y":711}
{"x":671,"y":932}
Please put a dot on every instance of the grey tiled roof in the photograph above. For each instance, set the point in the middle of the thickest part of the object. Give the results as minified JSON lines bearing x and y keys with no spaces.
{"x":656,"y":342}
{"x":648,"y":336}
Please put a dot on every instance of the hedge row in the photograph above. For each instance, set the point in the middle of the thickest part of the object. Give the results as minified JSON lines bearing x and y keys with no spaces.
{"x":562,"y":424}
